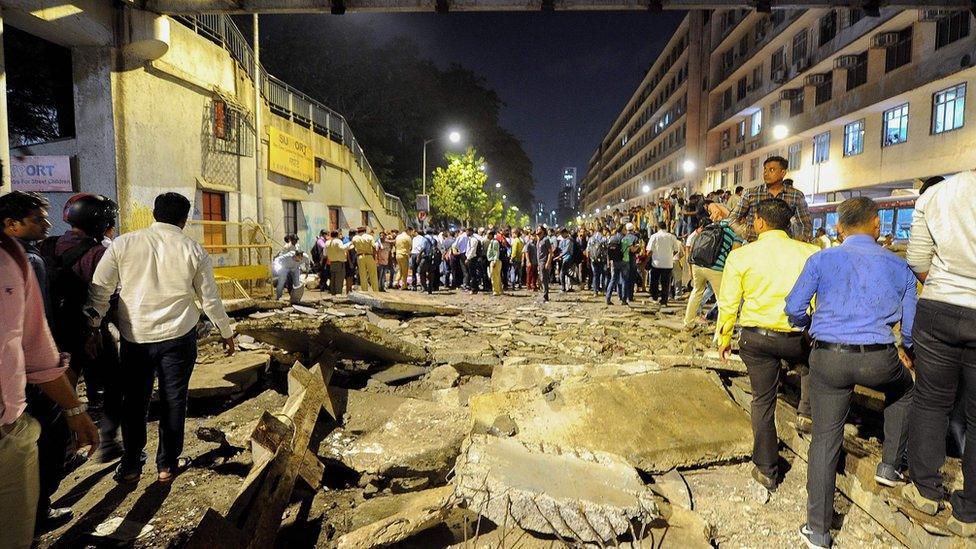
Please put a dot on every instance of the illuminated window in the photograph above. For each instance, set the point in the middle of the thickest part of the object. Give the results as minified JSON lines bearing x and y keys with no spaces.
{"x":949,"y":109}
{"x":214,"y":209}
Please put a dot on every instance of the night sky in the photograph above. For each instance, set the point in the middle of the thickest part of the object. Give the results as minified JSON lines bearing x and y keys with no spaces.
{"x":563,"y":76}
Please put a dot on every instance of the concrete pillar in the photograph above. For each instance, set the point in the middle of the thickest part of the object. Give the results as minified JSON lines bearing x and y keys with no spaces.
{"x":4,"y":135}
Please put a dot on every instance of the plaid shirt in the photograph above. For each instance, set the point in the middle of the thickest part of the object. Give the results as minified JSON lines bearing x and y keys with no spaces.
{"x":800,"y":225}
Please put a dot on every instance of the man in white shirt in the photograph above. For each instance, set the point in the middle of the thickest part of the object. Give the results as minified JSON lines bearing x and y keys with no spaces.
{"x":417,"y":246}
{"x":663,"y":247}
{"x":287,"y":272}
{"x":160,"y":273}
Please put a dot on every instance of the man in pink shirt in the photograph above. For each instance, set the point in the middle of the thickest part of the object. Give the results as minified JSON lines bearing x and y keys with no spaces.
{"x":27,"y":355}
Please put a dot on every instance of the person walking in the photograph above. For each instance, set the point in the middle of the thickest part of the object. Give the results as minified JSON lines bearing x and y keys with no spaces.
{"x":161,"y":273}
{"x":546,"y":254}
{"x":403,"y":245}
{"x":774,"y":177}
{"x":663,"y":247}
{"x":618,"y":268}
{"x":758,"y":276}
{"x":596,"y":252}
{"x":723,"y":240}
{"x":942,"y":253}
{"x":862,"y":291}
{"x":365,"y":248}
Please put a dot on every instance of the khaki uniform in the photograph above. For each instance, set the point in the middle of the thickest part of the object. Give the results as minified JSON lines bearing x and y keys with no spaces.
{"x":369,"y":279}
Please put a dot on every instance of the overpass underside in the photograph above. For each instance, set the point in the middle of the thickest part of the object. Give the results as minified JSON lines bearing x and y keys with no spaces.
{"x":175,"y":7}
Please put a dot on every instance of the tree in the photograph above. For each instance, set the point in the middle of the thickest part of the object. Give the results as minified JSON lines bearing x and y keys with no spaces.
{"x":458,"y":190}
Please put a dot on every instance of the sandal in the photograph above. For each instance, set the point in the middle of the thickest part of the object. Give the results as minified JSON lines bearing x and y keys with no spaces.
{"x":167,"y":475}
{"x":124,"y":476}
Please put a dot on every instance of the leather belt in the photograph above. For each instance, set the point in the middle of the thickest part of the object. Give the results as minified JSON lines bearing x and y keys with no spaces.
{"x":845,"y":348}
{"x":771,"y":333}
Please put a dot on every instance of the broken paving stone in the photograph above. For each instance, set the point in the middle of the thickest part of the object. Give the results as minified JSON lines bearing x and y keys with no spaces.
{"x":388,"y":519}
{"x":398,"y":373}
{"x":479,"y":363}
{"x":576,"y":494}
{"x":673,"y":486}
{"x":526,"y":376}
{"x":420,"y":439}
{"x":443,"y":377}
{"x":657,"y":421}
{"x":228,"y":375}
{"x":364,"y":411}
{"x":401,"y":303}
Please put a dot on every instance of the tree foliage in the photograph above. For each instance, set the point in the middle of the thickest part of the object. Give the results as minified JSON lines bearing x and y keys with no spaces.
{"x":394,"y":99}
{"x":458,"y":190}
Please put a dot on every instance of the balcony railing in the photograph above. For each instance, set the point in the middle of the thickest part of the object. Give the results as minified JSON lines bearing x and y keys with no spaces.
{"x":287,"y":102}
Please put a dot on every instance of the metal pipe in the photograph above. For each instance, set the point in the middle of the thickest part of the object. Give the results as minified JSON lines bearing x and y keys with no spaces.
{"x":258,"y":125}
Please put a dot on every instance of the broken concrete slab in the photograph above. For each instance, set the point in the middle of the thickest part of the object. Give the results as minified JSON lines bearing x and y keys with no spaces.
{"x":228,"y":376}
{"x":577,"y":495}
{"x":467,"y":363}
{"x":420,"y":439}
{"x":443,"y":377}
{"x":705,"y":361}
{"x":389,"y":519}
{"x":398,"y":373}
{"x":364,"y":411}
{"x":673,"y":486}
{"x":508,"y":377}
{"x":657,"y":421}
{"x":404,"y":304}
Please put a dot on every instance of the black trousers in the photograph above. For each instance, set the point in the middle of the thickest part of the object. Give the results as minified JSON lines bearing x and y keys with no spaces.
{"x":945,"y":351}
{"x":833,"y":375}
{"x":475,"y":273}
{"x":52,"y":446}
{"x":762,"y":356}
{"x":660,"y":284}
{"x":172,"y":362}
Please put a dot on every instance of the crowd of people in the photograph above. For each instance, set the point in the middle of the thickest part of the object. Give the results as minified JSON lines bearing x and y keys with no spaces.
{"x":838,"y":314}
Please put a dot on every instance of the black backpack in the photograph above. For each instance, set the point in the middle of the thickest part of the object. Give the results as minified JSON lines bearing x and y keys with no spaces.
{"x":316,"y":254}
{"x":707,"y":246}
{"x":431,"y":253}
{"x":615,"y":251}
{"x":66,"y":290}
{"x":479,"y":250}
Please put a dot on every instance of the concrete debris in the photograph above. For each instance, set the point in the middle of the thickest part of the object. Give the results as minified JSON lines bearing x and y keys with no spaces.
{"x":403,"y":304}
{"x":576,"y":495}
{"x":480,"y":363}
{"x":228,"y":375}
{"x":443,"y":377}
{"x":673,"y":486}
{"x":398,"y":373}
{"x":420,"y":439}
{"x":364,"y":411}
{"x":657,"y":421}
{"x":389,"y":519}
{"x":508,"y":377}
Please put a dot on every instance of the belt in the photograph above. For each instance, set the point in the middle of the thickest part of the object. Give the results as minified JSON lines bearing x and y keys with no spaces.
{"x":771,"y":333}
{"x":845,"y":348}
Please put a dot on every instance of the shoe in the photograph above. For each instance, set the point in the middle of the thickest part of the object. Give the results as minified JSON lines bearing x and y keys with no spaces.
{"x":764,"y":481}
{"x":888,"y":475}
{"x":52,"y":520}
{"x":108,"y":451}
{"x":804,"y":425}
{"x":960,"y":528}
{"x":815,"y":541}
{"x":920,"y":502}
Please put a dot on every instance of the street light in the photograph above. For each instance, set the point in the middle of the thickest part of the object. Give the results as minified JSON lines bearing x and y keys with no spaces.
{"x":453,"y":137}
{"x":780,"y":131}
{"x":688,"y":166}
{"x":498,"y":185}
{"x":645,"y":189}
{"x":504,"y":197}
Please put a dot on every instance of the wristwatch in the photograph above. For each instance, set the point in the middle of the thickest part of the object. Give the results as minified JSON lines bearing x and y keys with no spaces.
{"x":76,"y":411}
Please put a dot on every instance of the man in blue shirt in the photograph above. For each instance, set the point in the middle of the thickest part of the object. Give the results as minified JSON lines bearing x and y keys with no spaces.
{"x":862,"y":291}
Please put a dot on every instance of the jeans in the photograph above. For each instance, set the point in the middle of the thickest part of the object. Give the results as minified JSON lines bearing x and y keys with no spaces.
{"x":172,"y":362}
{"x":52,"y":445}
{"x":566,"y":277}
{"x":474,"y":274}
{"x":599,"y":269}
{"x":833,"y":375}
{"x":618,"y":281}
{"x":660,"y":285}
{"x":19,"y":481}
{"x":762,"y":355}
{"x":383,"y":272}
{"x":630,"y":272}
{"x":945,"y":350}
{"x":545,"y":275}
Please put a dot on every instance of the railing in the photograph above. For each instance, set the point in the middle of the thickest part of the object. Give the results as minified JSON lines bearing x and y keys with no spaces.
{"x":241,"y":251}
{"x":290,"y":103}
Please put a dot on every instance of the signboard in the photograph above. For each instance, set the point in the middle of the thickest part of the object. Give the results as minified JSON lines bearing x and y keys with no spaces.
{"x":290,"y":156}
{"x":423,"y":203}
{"x":41,"y":173}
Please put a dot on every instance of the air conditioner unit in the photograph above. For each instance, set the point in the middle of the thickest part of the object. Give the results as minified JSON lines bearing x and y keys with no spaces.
{"x":931,"y":16}
{"x":779,"y":76}
{"x":790,"y":94}
{"x":884,"y":40}
{"x":801,"y":64}
{"x":816,"y":79}
{"x":845,"y":62}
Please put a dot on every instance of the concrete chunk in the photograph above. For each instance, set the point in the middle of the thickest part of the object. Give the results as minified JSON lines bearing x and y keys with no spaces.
{"x":577,"y":495}
{"x":402,"y":303}
{"x":507,"y":377}
{"x":228,"y":375}
{"x":657,"y":421}
{"x":387,"y":520}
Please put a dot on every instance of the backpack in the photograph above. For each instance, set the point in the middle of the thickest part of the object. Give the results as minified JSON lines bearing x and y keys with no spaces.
{"x":707,"y":246}
{"x":479,"y":249}
{"x":66,"y":290}
{"x":316,"y":254}
{"x":502,"y":252}
{"x":615,"y":251}
{"x":431,"y":253}
{"x":601,"y":251}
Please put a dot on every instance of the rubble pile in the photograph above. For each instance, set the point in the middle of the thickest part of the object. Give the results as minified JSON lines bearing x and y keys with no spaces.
{"x":514,"y":424}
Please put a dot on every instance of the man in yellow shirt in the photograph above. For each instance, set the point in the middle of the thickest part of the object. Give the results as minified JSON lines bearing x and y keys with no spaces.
{"x":336,"y":254}
{"x":365,"y":248}
{"x":759,"y":276}
{"x":402,"y":245}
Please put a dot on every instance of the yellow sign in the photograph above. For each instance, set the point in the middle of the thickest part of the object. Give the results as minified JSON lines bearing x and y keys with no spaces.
{"x":290,"y":156}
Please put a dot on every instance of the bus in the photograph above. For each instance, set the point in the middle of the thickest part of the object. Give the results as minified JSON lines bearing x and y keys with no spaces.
{"x":895,"y":212}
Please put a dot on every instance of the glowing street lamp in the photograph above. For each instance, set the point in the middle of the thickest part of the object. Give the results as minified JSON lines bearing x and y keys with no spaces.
{"x":688,"y":166}
{"x":498,"y":185}
{"x":646,"y":189}
{"x":780,"y":131}
{"x":453,"y":137}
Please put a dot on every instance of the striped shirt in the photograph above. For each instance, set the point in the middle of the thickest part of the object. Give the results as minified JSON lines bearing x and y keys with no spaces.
{"x":800,"y":225}
{"x":729,"y":238}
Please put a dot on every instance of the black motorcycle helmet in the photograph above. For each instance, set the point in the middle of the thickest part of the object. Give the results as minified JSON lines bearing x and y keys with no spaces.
{"x":92,"y":213}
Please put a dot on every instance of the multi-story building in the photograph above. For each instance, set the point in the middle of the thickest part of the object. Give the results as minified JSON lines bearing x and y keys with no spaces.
{"x":858,"y":105}
{"x":655,"y":144}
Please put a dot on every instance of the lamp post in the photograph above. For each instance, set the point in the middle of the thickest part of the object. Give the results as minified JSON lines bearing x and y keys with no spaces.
{"x":453,"y":137}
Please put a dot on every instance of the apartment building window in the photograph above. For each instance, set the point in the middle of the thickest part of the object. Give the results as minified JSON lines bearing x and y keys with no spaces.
{"x":796,"y":104}
{"x":737,"y":175}
{"x":793,"y":154}
{"x":726,"y":139}
{"x":821,"y":147}
{"x":727,"y":99}
{"x":755,"y":127}
{"x":740,"y":135}
{"x":214,"y":209}
{"x":800,"y":46}
{"x":854,"y":138}
{"x":774,"y":112}
{"x":895,"y":126}
{"x":762,"y":28}
{"x":949,"y":109}
{"x":743,"y":45}
{"x":952,"y":27}
{"x":757,"y":77}
{"x":899,"y":54}
{"x":740,"y":89}
{"x":777,"y":63}
{"x":853,"y":16}
{"x":858,"y":74}
{"x":728,"y":59}
{"x":754,"y":172}
{"x":825,"y":88}
{"x":828,"y":27}
{"x":291,"y":216}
